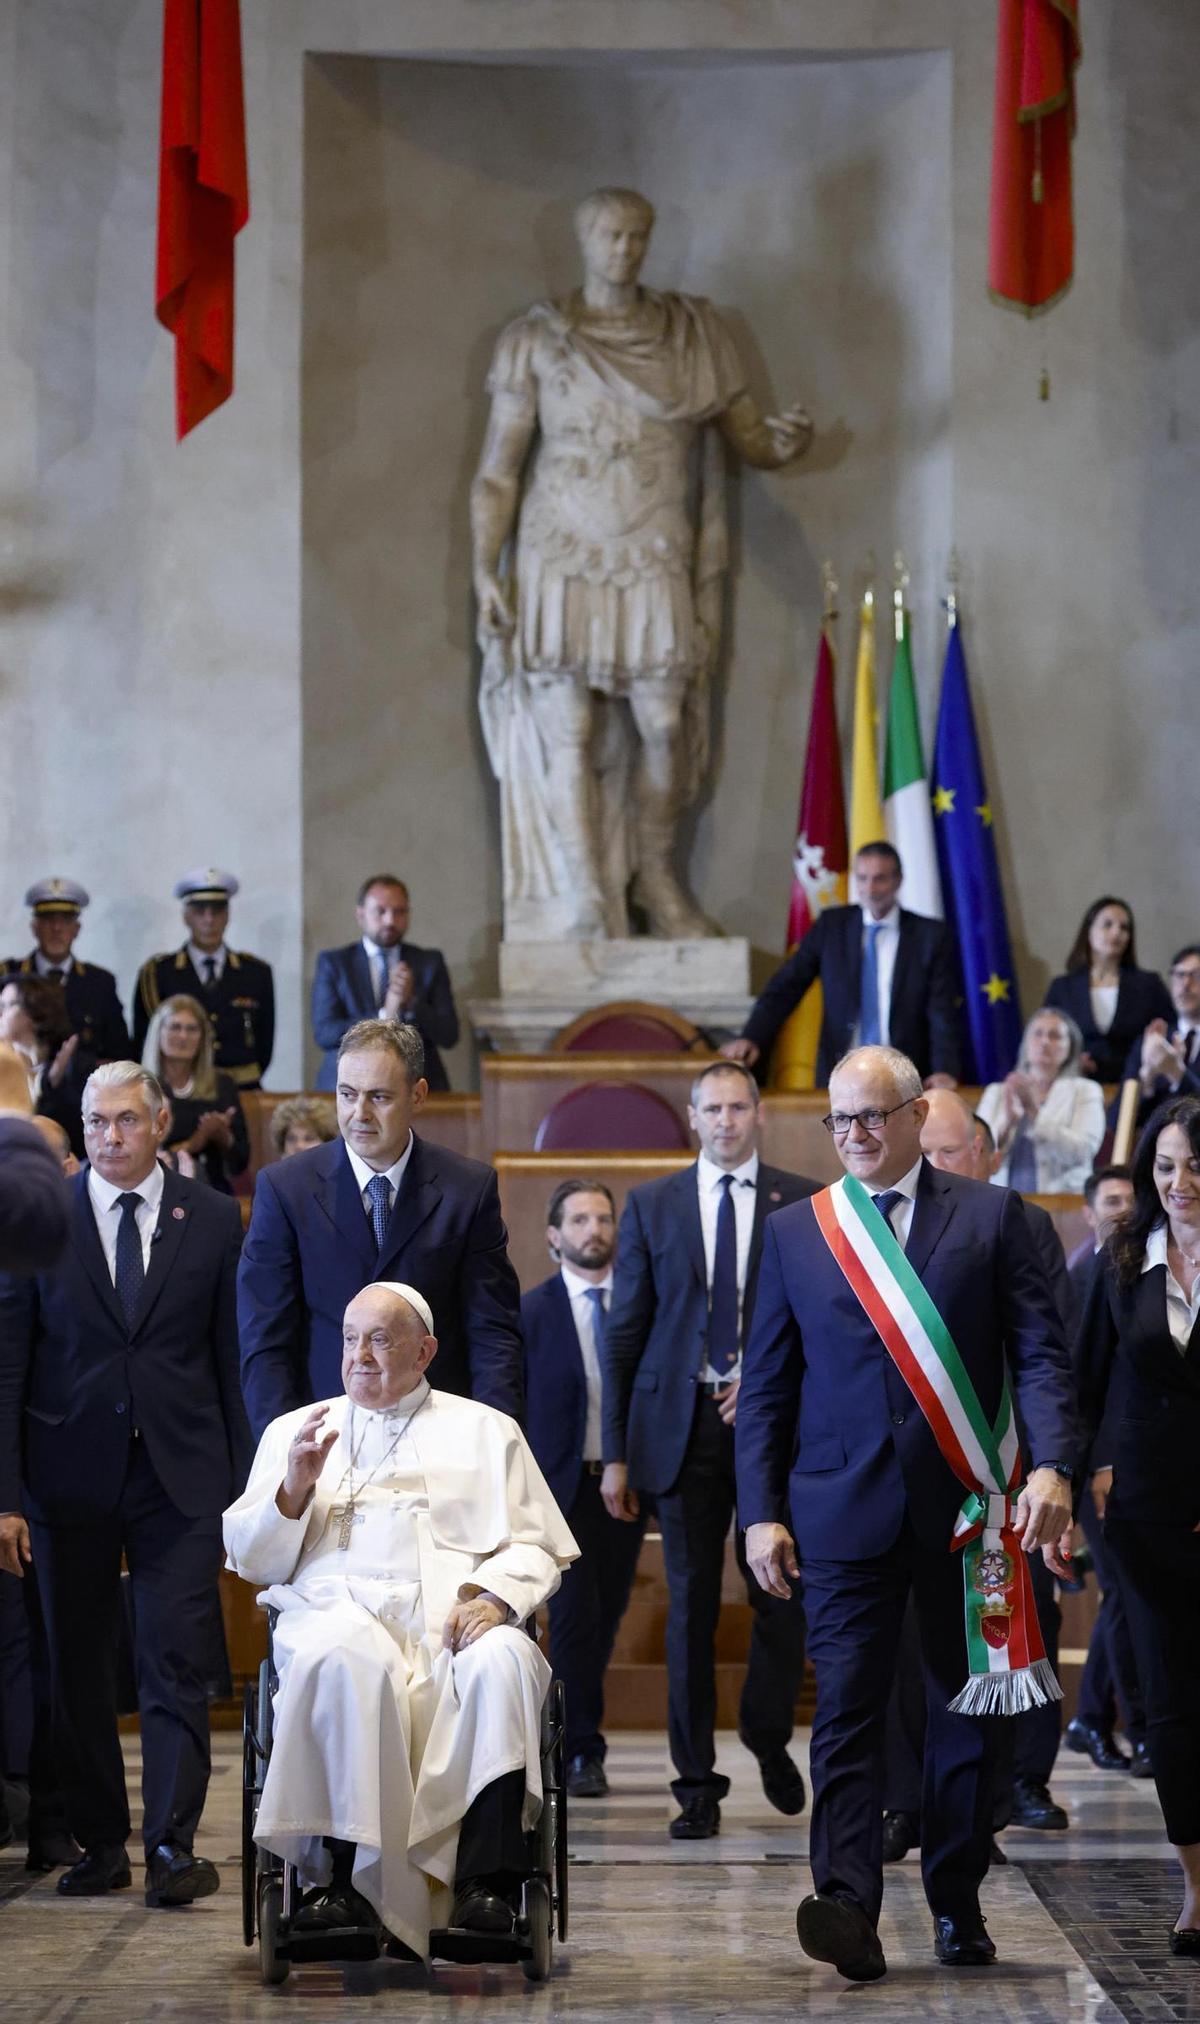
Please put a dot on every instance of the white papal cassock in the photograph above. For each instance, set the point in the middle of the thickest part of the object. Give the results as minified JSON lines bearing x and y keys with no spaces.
{"x":381,"y":1737}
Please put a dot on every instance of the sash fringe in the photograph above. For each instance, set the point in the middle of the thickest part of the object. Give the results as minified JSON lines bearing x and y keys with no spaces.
{"x":1012,"y":1693}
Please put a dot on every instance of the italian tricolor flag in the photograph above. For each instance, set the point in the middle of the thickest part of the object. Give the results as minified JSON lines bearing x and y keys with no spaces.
{"x":906,"y":806}
{"x":1008,"y":1667}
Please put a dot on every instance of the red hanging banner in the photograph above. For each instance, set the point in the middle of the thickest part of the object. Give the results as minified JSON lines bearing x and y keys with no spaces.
{"x":203,"y":198}
{"x":1031,"y":250}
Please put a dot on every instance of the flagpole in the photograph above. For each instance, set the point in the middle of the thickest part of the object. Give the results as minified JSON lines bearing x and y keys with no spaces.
{"x":899,"y":586}
{"x":953,"y":578}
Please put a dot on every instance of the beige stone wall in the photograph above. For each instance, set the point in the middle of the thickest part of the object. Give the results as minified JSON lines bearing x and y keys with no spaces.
{"x":192,"y":666}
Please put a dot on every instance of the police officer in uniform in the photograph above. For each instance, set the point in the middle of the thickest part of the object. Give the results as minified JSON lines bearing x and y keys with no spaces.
{"x":236,"y":990}
{"x":92,"y":1006}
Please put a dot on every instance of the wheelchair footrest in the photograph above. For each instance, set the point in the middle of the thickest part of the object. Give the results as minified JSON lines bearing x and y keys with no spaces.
{"x":339,"y":1943}
{"x":456,"y":1943}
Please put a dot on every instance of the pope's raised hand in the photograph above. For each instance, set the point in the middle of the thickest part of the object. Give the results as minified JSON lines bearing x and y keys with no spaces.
{"x":305,"y":1461}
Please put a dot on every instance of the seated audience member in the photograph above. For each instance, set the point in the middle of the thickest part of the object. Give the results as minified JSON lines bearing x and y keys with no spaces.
{"x":236,"y":990}
{"x":406,"y":1535}
{"x":886,"y":976}
{"x":380,"y":1199}
{"x":1046,"y":1118}
{"x":122,"y":1432}
{"x":1165,"y":1059}
{"x":1135,"y":1352}
{"x":1103,"y":990}
{"x":93,"y":1008}
{"x":301,"y":1123}
{"x":206,"y":1110}
{"x":383,"y":976}
{"x":563,"y":1321}
{"x":33,"y":1019}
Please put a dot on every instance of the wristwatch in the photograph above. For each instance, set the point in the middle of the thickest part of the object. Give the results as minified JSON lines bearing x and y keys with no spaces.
{"x":1062,"y":1469}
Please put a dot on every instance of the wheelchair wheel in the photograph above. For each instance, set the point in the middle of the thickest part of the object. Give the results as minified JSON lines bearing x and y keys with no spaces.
{"x":250,"y":1785}
{"x":273,"y":1966}
{"x":539,"y":1912}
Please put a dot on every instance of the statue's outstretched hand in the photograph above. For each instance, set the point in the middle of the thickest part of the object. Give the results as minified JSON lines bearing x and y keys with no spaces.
{"x":791,"y":432}
{"x":496,"y":620}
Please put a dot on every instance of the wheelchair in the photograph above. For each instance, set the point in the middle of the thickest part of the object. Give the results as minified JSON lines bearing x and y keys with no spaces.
{"x":271,"y":1888}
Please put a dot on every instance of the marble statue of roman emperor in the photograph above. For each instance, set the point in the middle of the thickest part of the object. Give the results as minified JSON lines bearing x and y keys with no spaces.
{"x":599,"y":541}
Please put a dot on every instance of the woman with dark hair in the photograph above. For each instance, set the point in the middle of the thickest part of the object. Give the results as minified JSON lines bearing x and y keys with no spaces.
{"x":1109,"y":998}
{"x":33,"y":1019}
{"x":1138,"y":1358}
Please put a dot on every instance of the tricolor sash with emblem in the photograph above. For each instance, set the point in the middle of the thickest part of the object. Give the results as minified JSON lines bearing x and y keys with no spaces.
{"x":1009,"y":1670}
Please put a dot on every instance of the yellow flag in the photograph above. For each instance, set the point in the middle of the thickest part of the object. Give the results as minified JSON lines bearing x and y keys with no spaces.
{"x":866,"y":808}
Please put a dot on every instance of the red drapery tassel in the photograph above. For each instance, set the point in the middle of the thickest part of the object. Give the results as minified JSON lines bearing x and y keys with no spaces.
{"x":203,"y":198}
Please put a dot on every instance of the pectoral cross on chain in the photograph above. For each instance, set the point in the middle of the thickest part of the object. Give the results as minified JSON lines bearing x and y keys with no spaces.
{"x":347,"y":1517}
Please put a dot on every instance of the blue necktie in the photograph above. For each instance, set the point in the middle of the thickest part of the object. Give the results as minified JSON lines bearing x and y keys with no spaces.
{"x":723,"y":1294}
{"x":379,"y":1188}
{"x":885,"y":1203}
{"x":599,"y":1318}
{"x":131,"y":1273}
{"x":868,"y":997}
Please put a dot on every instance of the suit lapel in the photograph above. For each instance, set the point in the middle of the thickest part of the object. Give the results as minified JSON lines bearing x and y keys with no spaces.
{"x":1161,"y":1347}
{"x":932,"y":1211}
{"x":341,"y":1201}
{"x":905,"y":965}
{"x":86,"y":1239}
{"x":174,"y":1215}
{"x":565,"y":1325}
{"x":420,"y":1192}
{"x":364,"y":988}
{"x":853,"y":930}
{"x":767,"y":1183}
{"x":687,"y":1207}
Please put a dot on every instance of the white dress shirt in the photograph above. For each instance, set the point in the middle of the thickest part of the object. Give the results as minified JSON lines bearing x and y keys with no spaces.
{"x":887,"y":944}
{"x":902,"y":1213}
{"x":104,"y":1198}
{"x":583,"y":1313}
{"x":59,"y":971}
{"x":364,"y":1175}
{"x":1104,"y":1005}
{"x":1180,"y":1038}
{"x":743,"y":1195}
{"x":198,"y":957}
{"x":1181,"y":1312}
{"x":382,"y":962}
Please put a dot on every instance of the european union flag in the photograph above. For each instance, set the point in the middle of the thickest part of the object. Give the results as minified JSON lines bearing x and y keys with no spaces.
{"x":971,"y":890}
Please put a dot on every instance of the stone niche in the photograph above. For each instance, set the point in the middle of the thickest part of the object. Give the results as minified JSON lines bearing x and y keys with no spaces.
{"x":811,"y":201}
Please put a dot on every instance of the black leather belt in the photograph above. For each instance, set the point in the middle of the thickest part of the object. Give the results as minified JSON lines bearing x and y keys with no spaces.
{"x":593,"y":1468}
{"x":718,"y":1389}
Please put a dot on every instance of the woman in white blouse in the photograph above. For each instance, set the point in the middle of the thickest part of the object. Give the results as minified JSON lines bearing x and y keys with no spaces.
{"x":1046,"y":1117}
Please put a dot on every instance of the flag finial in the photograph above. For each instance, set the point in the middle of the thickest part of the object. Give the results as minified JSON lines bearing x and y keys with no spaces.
{"x":829,"y":593}
{"x":899,"y":586}
{"x":953,"y":579}
{"x":869,"y":567}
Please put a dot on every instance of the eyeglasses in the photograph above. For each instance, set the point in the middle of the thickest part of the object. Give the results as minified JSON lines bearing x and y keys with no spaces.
{"x":839,"y":1121}
{"x":1188,"y":971}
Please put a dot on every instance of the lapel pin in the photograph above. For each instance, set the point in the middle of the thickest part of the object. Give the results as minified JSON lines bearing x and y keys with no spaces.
{"x":775,"y":1195}
{"x":178,"y":1215}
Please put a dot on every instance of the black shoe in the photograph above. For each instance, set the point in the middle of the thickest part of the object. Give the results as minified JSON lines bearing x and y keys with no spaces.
{"x":331,"y":1908}
{"x":53,"y":1849}
{"x":1186,"y":1942}
{"x":899,"y":1835}
{"x":1032,"y":1806}
{"x":962,"y":1942}
{"x":1139,"y":1764}
{"x":174,"y":1876}
{"x":586,"y":1779}
{"x":699,"y":1818}
{"x":479,"y":1909}
{"x":100,"y":1869}
{"x":996,"y":1856}
{"x":836,"y":1930}
{"x":1098,"y":1744}
{"x":782,"y":1783}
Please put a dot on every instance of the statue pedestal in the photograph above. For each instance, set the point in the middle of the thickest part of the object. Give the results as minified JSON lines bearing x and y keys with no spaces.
{"x":544,"y":985}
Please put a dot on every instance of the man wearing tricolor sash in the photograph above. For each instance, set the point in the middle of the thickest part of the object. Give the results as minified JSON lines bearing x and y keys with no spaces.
{"x":900,"y":1314}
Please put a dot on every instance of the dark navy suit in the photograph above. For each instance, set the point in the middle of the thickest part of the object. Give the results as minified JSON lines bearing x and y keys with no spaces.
{"x":310,"y":1248}
{"x":923,"y":1019}
{"x":659,"y":1421}
{"x":344,"y":993}
{"x":1161,"y":1089}
{"x":128,"y":1440}
{"x":586,"y":1610}
{"x":1141,"y":997}
{"x":33,"y":1199}
{"x":832,"y":1444}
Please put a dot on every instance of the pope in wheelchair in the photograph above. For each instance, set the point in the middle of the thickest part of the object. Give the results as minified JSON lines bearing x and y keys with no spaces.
{"x":406,"y":1535}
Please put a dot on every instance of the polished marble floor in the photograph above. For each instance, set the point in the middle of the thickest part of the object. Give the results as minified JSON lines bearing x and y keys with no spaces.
{"x":661,"y":1931}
